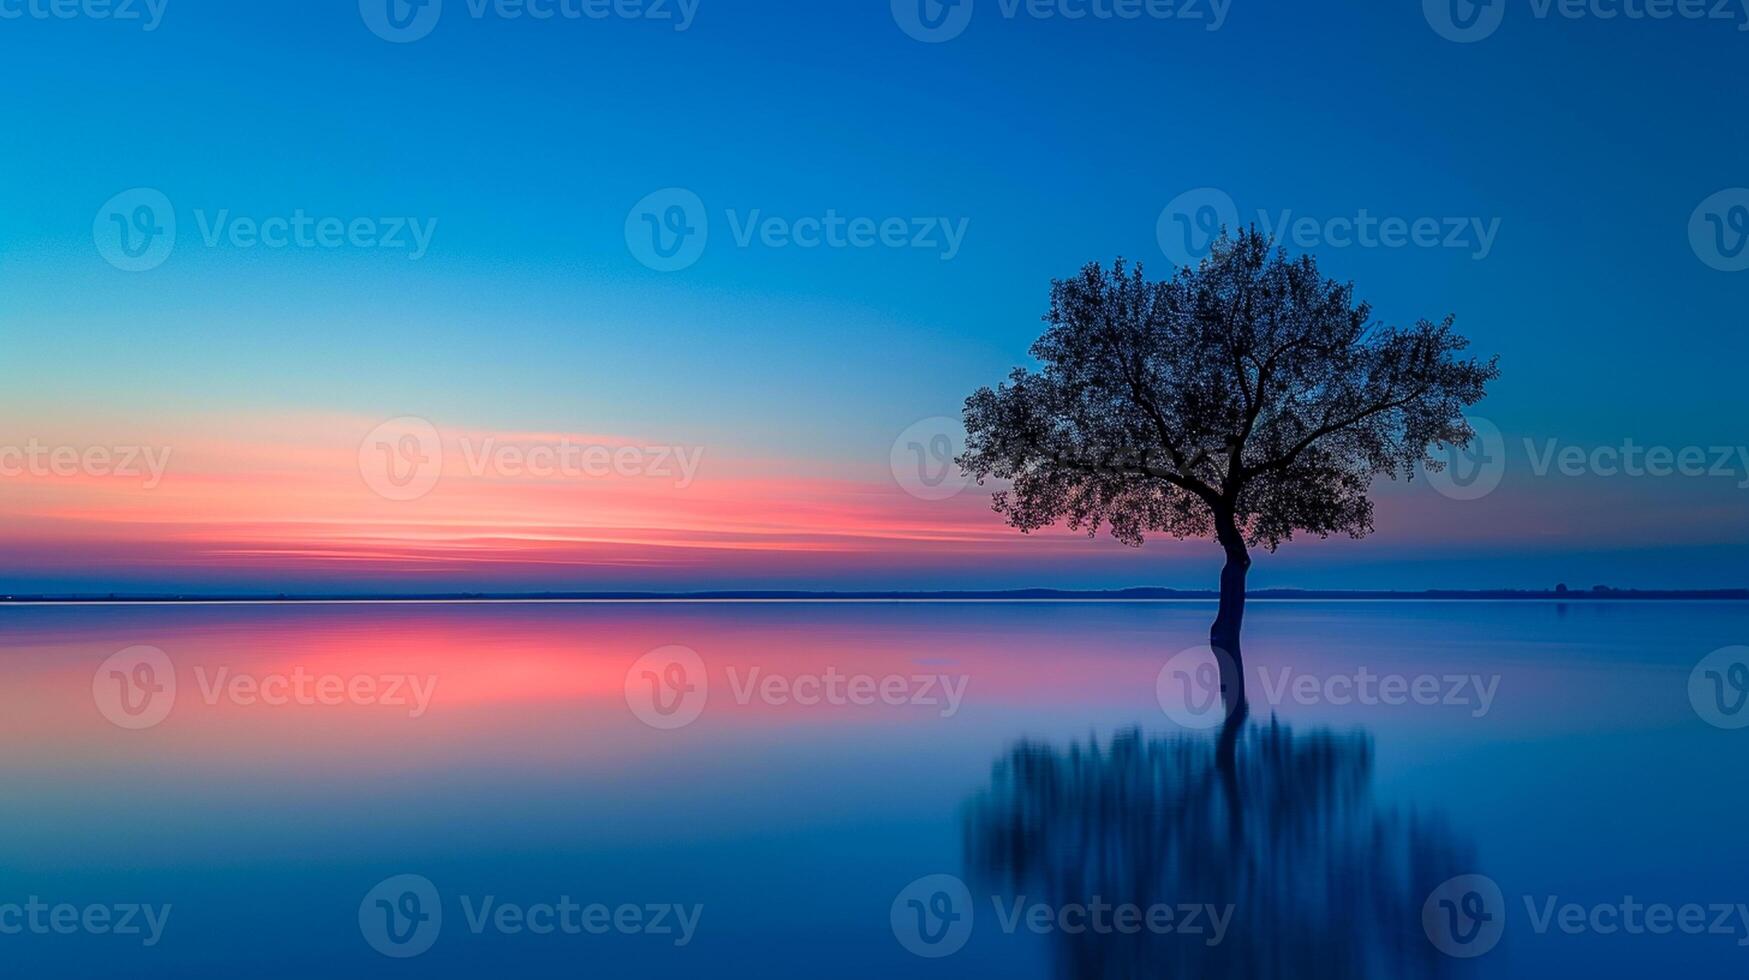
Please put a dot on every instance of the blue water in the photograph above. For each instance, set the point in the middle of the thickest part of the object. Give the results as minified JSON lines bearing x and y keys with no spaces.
{"x":834,"y":838}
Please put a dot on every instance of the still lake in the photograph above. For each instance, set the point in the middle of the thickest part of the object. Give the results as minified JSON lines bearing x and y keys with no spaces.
{"x":869,"y":789}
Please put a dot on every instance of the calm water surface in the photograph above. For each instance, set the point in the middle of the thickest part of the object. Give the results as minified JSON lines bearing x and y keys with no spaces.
{"x":778,"y":816}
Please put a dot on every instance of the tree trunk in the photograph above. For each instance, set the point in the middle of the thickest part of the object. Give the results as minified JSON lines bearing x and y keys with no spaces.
{"x":1224,"y":636}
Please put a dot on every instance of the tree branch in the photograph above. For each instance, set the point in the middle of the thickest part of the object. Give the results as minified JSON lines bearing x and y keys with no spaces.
{"x":1328,"y":429}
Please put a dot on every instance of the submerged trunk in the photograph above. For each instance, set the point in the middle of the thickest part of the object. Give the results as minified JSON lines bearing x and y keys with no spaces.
{"x":1224,"y":636}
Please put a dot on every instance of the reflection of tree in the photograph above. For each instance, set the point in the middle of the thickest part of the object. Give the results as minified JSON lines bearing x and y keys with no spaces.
{"x":1324,"y":882}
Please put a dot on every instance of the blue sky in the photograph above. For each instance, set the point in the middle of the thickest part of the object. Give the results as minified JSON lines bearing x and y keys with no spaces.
{"x":1586,"y":141}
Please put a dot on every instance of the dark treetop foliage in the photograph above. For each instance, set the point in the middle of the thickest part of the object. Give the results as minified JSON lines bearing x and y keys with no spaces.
{"x":1247,"y":397}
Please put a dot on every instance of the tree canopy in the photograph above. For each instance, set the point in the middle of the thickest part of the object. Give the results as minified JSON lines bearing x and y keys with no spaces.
{"x":1247,"y":397}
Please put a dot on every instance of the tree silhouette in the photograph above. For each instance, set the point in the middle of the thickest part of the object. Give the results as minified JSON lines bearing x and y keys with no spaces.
{"x":1245,"y":399}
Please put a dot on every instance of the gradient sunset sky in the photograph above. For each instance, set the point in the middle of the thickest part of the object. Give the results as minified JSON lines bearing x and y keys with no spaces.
{"x":793,"y":371}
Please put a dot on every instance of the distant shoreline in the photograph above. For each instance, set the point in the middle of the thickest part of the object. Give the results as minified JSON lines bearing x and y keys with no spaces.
{"x":1006,"y":595}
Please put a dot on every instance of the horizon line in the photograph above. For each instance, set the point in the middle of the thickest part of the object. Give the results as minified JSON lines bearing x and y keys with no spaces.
{"x":1133,"y":594}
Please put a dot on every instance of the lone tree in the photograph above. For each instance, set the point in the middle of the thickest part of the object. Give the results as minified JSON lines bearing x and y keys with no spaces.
{"x":1245,"y":399}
